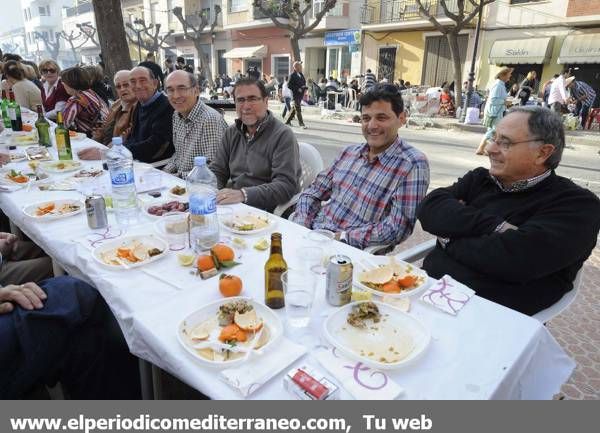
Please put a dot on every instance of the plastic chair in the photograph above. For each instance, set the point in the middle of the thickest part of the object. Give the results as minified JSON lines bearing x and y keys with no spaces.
{"x":563,"y":303}
{"x":311,"y":164}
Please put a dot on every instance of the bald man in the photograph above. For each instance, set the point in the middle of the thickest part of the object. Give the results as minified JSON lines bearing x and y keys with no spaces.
{"x":119,"y":121}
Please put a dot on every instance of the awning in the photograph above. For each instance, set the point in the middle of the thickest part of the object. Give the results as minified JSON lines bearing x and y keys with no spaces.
{"x":580,"y":49}
{"x":521,"y":51}
{"x":247,"y":52}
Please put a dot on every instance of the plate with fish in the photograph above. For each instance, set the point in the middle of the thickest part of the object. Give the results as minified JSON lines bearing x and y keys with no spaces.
{"x":55,"y":209}
{"x":130,"y":251}
{"x":247,"y":223}
{"x":387,"y":276}
{"x":60,"y":166}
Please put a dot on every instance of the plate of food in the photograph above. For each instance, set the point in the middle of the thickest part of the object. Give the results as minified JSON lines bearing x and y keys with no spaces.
{"x":60,"y":166}
{"x":386,"y":276}
{"x":74,"y":135}
{"x":227,"y":332}
{"x":376,"y":334}
{"x":179,"y":193}
{"x":38,"y":153}
{"x":17,"y":156}
{"x":54,"y":209}
{"x":24,"y":138}
{"x":130,"y":251}
{"x":14,"y":177}
{"x":247,"y":223}
{"x":156,"y":210}
{"x":87,"y":174}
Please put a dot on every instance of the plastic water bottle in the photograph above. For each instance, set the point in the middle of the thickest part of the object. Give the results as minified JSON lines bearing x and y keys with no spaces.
{"x":201,"y":184}
{"x":122,"y":179}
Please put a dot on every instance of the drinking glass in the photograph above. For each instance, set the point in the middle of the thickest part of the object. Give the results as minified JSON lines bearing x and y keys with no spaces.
{"x":311,"y":258}
{"x":150,"y":180}
{"x":323,"y":239}
{"x":174,"y":226}
{"x":299,"y":291}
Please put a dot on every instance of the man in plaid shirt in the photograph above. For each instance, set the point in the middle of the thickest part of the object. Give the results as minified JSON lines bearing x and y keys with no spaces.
{"x":371,"y":190}
{"x":584,"y":95}
{"x":197,"y":128}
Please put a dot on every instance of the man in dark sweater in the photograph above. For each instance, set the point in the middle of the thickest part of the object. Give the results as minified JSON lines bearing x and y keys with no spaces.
{"x":152,"y":136}
{"x":297,"y":84}
{"x":517,"y":233}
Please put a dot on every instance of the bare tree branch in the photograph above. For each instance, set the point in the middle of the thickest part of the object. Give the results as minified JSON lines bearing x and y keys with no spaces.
{"x":90,"y":31}
{"x":52,"y":47}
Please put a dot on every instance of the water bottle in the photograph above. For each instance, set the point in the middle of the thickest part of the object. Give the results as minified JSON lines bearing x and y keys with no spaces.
{"x":201,"y":184}
{"x":122,"y":179}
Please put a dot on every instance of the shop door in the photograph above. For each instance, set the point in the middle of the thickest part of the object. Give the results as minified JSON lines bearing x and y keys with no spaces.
{"x":222,"y":66}
{"x":387,"y":64}
{"x":520,"y":72}
{"x":438,"y":68}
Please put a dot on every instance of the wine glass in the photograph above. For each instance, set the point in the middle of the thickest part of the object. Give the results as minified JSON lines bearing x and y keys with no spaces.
{"x":323,"y":239}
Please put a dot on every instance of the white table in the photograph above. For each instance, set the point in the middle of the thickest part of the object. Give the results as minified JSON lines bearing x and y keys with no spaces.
{"x":486,"y":352}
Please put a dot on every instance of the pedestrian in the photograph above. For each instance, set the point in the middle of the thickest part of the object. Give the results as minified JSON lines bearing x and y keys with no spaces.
{"x":527,"y":87}
{"x":558,"y":93}
{"x":494,"y":107}
{"x":583,"y":94}
{"x":287,"y":95}
{"x":368,"y":81}
{"x":297,"y":84}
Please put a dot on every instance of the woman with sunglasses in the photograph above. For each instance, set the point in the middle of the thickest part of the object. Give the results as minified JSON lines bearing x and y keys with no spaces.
{"x":54,"y":95}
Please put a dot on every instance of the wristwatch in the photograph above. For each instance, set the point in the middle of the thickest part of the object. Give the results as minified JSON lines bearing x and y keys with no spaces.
{"x":344,"y":236}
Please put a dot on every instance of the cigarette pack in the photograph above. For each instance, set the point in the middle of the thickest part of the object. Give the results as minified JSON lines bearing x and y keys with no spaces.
{"x":308,"y":383}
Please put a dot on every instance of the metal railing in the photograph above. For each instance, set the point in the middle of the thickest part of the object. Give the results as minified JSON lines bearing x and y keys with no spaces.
{"x":258,"y":15}
{"x":394,"y":11}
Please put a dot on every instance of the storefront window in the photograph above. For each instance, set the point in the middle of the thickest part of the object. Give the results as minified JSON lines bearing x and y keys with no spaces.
{"x":346,"y":61}
{"x":332,"y":62}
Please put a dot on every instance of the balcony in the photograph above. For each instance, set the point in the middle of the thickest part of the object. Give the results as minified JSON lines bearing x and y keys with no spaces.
{"x":258,"y":15}
{"x":398,"y":11}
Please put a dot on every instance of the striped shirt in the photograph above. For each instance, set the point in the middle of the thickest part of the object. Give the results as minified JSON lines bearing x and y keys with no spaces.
{"x":584,"y":91}
{"x":374,"y":202}
{"x":83,"y":110}
{"x":198,"y":134}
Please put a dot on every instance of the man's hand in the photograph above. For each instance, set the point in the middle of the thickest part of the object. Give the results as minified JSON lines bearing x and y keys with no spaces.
{"x":229,"y":196}
{"x":8,"y":242}
{"x":29,"y":296}
{"x":90,"y":154}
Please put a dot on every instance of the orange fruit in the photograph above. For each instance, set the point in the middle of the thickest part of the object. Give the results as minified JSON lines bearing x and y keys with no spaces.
{"x":408,"y":281}
{"x":223,"y":253}
{"x":230,"y":285}
{"x":205,"y":263}
{"x":232,"y":333}
{"x":391,"y":287}
{"x":27,"y":127}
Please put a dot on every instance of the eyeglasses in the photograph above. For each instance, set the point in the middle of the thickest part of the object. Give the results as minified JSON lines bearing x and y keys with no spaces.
{"x":250,"y":100}
{"x":506,"y":144}
{"x":48,"y":71}
{"x":122,"y":86}
{"x":179,"y":89}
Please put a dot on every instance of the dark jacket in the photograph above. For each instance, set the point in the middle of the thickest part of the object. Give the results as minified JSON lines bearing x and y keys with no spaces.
{"x":152,"y":136}
{"x":297,"y":84}
{"x":527,"y":269}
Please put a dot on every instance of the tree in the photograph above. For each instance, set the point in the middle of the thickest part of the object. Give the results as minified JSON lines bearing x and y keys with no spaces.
{"x":111,"y":32}
{"x":460,"y":19}
{"x":151,"y":41}
{"x":9,"y":47}
{"x":71,"y":38}
{"x":89,"y":31}
{"x":295,"y":13}
{"x":53,"y":47}
{"x":194,"y":32}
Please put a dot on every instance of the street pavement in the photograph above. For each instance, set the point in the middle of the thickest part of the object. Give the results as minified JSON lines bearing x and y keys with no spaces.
{"x":451,"y":153}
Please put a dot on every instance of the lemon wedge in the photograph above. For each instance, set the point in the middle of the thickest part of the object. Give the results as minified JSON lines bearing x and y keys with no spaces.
{"x":359,"y":295}
{"x":238,"y":242}
{"x":185,"y":259}
{"x":261,"y":245}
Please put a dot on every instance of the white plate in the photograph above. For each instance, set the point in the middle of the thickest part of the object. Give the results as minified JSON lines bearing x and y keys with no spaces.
{"x":54,"y":166}
{"x":79,"y":136}
{"x":17,"y":157}
{"x":382,"y":260}
{"x":149,"y":241}
{"x":208,"y":311}
{"x":30,"y":210}
{"x":24,"y":138}
{"x":159,"y":203}
{"x":5,"y":179}
{"x":240,"y":217}
{"x":184,"y":197}
{"x":401,"y":321}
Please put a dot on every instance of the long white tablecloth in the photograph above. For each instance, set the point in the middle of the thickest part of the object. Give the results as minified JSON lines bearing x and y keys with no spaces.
{"x":486,"y":352}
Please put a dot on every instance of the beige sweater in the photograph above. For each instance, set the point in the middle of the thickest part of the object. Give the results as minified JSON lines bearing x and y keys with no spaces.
{"x":27,"y":94}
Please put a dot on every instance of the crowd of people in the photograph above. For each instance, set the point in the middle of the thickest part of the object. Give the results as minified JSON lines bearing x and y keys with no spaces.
{"x":517,"y":233}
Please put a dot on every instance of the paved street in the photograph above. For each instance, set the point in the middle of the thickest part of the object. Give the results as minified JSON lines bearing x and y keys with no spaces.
{"x":451,"y":154}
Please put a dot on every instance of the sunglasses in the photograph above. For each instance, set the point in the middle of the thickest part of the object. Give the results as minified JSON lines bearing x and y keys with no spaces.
{"x":48,"y":71}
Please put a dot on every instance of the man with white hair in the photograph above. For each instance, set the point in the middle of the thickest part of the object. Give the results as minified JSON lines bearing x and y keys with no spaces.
{"x":120,"y":119}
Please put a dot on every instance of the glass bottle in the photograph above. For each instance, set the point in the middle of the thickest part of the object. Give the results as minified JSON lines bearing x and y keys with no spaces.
{"x":14,"y":112}
{"x":275,"y":266}
{"x":63,"y":142}
{"x":43,"y":128}
{"x":4,"y":106}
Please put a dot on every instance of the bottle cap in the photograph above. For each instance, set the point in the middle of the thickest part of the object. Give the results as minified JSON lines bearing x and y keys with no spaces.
{"x":117,"y":140}
{"x":199,"y":161}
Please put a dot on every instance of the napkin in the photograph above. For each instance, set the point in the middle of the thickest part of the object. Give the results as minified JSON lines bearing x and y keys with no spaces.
{"x":4,"y":187}
{"x":359,"y":380}
{"x":259,"y":369}
{"x":448,"y":295}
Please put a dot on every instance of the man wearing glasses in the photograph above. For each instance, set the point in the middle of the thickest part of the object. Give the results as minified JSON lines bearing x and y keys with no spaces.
{"x":259,"y":157}
{"x":517,"y":233}
{"x":197,"y":128}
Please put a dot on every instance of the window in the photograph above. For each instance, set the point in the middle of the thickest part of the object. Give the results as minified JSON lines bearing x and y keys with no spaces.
{"x":337,"y":11}
{"x":280,"y":66}
{"x":51,"y":35}
{"x":238,"y":5}
{"x":516,"y":2}
{"x":25,"y":14}
{"x":48,"y":10}
{"x":153,"y":8}
{"x":42,"y":11}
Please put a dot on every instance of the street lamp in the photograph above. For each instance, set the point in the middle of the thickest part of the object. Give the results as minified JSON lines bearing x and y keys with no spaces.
{"x":472,"y":71}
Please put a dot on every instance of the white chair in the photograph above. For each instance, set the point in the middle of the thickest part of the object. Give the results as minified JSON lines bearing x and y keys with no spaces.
{"x":418,"y":252}
{"x":563,"y":303}
{"x":311,"y":164}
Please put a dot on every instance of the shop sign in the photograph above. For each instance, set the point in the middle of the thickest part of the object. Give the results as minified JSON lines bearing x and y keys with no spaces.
{"x":343,"y":37}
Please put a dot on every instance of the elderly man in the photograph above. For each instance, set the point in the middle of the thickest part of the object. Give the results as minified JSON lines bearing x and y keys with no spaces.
{"x":197,"y":129}
{"x":259,"y":155}
{"x":119,"y":121}
{"x":369,"y":195}
{"x":517,"y":233}
{"x":151,"y":138}
{"x":297,"y":84}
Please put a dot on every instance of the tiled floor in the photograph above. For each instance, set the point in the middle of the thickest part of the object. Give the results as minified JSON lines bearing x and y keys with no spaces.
{"x":577,"y":329}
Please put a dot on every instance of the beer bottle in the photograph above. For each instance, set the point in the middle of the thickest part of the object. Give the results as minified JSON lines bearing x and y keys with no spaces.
{"x":4,"y":105}
{"x":43,"y":128}
{"x":63,"y":142}
{"x":274,"y":267}
{"x":14,"y":112}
